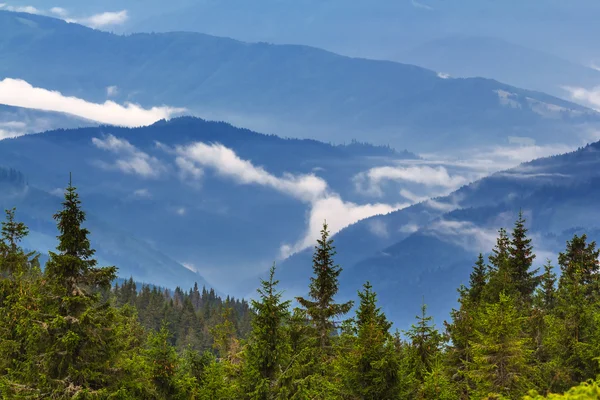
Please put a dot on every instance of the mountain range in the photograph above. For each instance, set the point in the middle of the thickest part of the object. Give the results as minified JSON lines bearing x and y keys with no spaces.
{"x":428,"y":249}
{"x":295,"y":91}
{"x":237,"y":201}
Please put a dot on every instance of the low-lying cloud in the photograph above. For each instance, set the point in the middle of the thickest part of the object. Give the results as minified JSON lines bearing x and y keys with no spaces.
{"x":308,"y":188}
{"x":19,"y":93}
{"x":130,"y":159}
{"x":101,"y":20}
{"x":371,"y":180}
{"x":588,"y":96}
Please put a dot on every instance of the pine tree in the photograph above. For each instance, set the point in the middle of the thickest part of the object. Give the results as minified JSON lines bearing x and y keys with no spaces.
{"x":546,"y":293}
{"x":13,"y":260}
{"x":268,"y":347}
{"x":73,"y":268}
{"x":373,"y":367}
{"x":580,"y":262}
{"x":478,"y":279}
{"x":323,"y":287}
{"x":425,"y":344}
{"x":501,"y":351}
{"x":500,"y":276}
{"x":78,"y":345}
{"x":520,"y":261}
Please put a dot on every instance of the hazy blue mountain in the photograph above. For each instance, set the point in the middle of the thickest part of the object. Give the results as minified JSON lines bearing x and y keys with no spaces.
{"x":114,"y":246}
{"x":214,"y":224}
{"x":290,"y":90}
{"x":429,"y":252}
{"x":361,"y":28}
{"x":16,"y":121}
{"x":468,"y":56}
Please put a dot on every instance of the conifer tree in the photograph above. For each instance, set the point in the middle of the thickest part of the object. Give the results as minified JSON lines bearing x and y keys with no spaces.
{"x":500,"y":274}
{"x":478,"y":279}
{"x":13,"y":260}
{"x":324,"y":285}
{"x":520,"y":260}
{"x":77,"y":340}
{"x":501,"y":351}
{"x":73,"y":268}
{"x":425,"y":344}
{"x":373,"y":363}
{"x":546,"y":292}
{"x":268,"y":347}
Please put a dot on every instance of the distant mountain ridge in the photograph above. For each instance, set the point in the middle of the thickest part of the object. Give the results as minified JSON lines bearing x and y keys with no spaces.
{"x":289,"y":90}
{"x":212,"y":223}
{"x":429,"y":251}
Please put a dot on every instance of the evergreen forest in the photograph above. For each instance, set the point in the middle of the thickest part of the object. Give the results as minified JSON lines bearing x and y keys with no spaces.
{"x":70,"y":330}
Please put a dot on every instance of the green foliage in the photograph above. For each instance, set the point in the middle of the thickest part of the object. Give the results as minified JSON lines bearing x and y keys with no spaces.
{"x":324,"y":285}
{"x":64,"y":334}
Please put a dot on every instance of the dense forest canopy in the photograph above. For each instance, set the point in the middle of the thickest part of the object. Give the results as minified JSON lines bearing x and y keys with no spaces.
{"x":67,"y":331}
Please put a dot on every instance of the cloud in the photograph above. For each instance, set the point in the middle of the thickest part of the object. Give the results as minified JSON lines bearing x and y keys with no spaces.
{"x":589,"y":96}
{"x":370,"y":181}
{"x":12,"y":129}
{"x":594,"y":66}
{"x":427,"y":200}
{"x":443,"y":75}
{"x":378,"y":228}
{"x":104,"y":19}
{"x":180,"y":211}
{"x":190,"y":266}
{"x":187,"y":169}
{"x":130,"y":159}
{"x":100,"y":20}
{"x":339,"y":214}
{"x":112,"y":91}
{"x":19,"y":93}
{"x":6,"y":134}
{"x":22,"y":9}
{"x":464,"y":234}
{"x":508,"y":156}
{"x":224,"y":160}
{"x":308,"y":188}
{"x":416,"y":4}
{"x":59,"y":11}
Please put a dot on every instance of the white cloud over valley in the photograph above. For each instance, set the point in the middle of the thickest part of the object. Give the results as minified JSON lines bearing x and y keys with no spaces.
{"x":130,"y":159}
{"x":19,"y":93}
{"x":588,"y":96}
{"x":100,"y":20}
{"x":308,"y":188}
{"x":430,"y":176}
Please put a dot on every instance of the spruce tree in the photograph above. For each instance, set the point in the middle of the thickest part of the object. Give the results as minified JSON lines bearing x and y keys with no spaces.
{"x":425,"y":344}
{"x":268,"y":347}
{"x":324,"y":285}
{"x":500,"y":274}
{"x":78,"y":341}
{"x":501,"y":351}
{"x":546,"y":292}
{"x":373,"y":363}
{"x":13,"y":260}
{"x":73,"y":269}
{"x":478,"y":279}
{"x":520,"y":260}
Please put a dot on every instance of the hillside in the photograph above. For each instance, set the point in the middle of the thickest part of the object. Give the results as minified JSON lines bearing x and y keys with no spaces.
{"x":489,"y":57}
{"x":232,"y":214}
{"x":294,"y":91}
{"x":433,"y":249}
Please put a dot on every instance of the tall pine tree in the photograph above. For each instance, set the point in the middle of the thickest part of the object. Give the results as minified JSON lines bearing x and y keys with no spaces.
{"x":322,"y":308}
{"x":520,"y":260}
{"x":268,"y":346}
